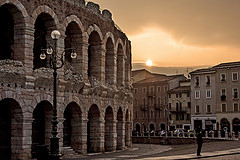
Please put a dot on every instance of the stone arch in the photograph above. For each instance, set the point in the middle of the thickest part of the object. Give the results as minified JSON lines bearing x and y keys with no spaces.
{"x":236,"y":125}
{"x":120,"y":63}
{"x":41,"y":125}
{"x":93,"y":28}
{"x":109,"y":130}
{"x":93,"y":129}
{"x":120,"y":131}
{"x":72,"y":127}
{"x":225,"y":123}
{"x":12,"y":29}
{"x":162,"y":126}
{"x":73,"y":42}
{"x":95,"y":55}
{"x":45,"y":21}
{"x":45,"y":9}
{"x":107,"y":36}
{"x":73,"y":18}
{"x":138,"y":128}
{"x":11,"y":133}
{"x":110,"y":62}
{"x":151,"y":126}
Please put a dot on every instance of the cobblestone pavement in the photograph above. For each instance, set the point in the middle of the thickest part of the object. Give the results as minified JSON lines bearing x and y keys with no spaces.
{"x":224,"y":150}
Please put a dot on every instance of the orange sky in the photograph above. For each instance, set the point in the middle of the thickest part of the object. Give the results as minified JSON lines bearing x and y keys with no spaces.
{"x":179,"y":32}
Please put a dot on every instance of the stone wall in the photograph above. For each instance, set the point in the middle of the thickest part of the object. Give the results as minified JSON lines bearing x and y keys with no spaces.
{"x":26,"y":89}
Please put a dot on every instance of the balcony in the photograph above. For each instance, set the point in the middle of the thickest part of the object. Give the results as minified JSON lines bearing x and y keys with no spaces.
{"x":174,"y":110}
{"x":223,"y":97}
{"x":151,"y":94}
{"x":158,"y":106}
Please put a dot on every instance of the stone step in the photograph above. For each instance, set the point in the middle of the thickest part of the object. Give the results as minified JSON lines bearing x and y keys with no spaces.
{"x":68,"y":151}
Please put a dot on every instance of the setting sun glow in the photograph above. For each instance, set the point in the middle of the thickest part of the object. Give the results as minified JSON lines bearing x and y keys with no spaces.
{"x":149,"y":63}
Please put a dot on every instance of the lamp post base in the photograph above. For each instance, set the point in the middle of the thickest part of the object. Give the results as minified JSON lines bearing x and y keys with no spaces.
{"x":54,"y":149}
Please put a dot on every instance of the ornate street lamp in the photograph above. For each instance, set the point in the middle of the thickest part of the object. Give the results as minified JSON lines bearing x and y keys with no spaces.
{"x":56,"y":62}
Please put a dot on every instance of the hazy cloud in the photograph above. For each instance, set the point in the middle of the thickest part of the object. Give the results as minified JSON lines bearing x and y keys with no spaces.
{"x":193,"y":22}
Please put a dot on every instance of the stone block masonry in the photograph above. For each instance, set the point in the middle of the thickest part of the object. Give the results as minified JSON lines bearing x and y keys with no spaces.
{"x":94,"y":99}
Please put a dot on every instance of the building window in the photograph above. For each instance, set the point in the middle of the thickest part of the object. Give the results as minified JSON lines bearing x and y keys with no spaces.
{"x":234,"y":76}
{"x":169,"y":95}
{"x":136,"y":114}
{"x":208,"y":109}
{"x":165,"y":88}
{"x":181,"y":116}
{"x":170,"y":106}
{"x":165,"y":113}
{"x":188,"y":94}
{"x":176,"y":106}
{"x":180,"y":95}
{"x":170,"y":117}
{"x":197,"y":81}
{"x":152,"y":101}
{"x":135,"y":90}
{"x":176,"y":95}
{"x":208,"y":94}
{"x":177,"y":116}
{"x":135,"y":102}
{"x":144,"y":102}
{"x":159,"y":101}
{"x":224,"y":107}
{"x":208,"y":80}
{"x":151,"y":89}
{"x":180,"y":109}
{"x":165,"y":100}
{"x":223,"y":77}
{"x":159,"y":89}
{"x":144,"y":90}
{"x":223,"y":94}
{"x":188,"y":116}
{"x":197,"y":109}
{"x":189,"y":104}
{"x":197,"y":94}
{"x":235,"y":107}
{"x":151,"y":114}
{"x":235,"y":93}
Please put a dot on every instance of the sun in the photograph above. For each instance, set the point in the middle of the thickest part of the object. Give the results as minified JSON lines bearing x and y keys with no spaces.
{"x":149,"y":63}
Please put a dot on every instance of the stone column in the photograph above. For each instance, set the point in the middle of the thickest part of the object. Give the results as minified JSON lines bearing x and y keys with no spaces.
{"x":114,"y":134}
{"x":84,"y":136}
{"x":101,"y":134}
{"x":85,"y":58}
{"x":128,"y":135}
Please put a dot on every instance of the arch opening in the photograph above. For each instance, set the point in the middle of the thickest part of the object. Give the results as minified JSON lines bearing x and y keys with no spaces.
{"x":11,"y":33}
{"x":93,"y":129}
{"x":44,"y":25}
{"x":109,"y":132}
{"x":72,"y":126}
{"x":73,"y":40}
{"x":11,"y":132}
{"x":236,"y":125}
{"x":94,"y":55}
{"x":120,"y":129}
{"x":41,"y":126}
{"x":120,"y":65}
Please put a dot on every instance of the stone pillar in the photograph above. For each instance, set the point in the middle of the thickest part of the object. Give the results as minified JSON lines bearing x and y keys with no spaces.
{"x":219,"y":134}
{"x":231,"y":127}
{"x":206,"y":134}
{"x":203,"y":124}
{"x":120,"y":135}
{"x":212,"y":134}
{"x":114,"y":134}
{"x":85,"y":58}
{"x":226,"y":135}
{"x":60,"y":132}
{"x":101,"y":134}
{"x":84,"y":135}
{"x":128,"y":134}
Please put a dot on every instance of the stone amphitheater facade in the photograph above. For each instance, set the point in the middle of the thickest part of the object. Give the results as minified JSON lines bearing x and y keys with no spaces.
{"x":94,"y":99}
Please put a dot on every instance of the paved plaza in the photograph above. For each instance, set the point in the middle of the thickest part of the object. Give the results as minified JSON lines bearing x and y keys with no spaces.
{"x":223,"y":150}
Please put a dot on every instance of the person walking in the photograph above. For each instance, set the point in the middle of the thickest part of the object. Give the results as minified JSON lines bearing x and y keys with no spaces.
{"x":199,"y":141}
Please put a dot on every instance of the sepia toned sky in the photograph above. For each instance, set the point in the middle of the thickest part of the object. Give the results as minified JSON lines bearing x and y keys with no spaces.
{"x":179,"y":33}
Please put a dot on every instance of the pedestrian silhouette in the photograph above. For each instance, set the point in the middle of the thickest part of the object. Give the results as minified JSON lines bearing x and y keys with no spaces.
{"x":199,"y":141}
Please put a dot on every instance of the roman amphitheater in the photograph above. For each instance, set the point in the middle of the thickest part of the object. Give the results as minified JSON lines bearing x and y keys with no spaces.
{"x":94,"y":99}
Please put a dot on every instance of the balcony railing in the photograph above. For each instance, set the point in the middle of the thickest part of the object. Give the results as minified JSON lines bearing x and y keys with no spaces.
{"x":143,"y":107}
{"x":158,"y":106}
{"x":175,"y":110}
{"x":151,"y":94}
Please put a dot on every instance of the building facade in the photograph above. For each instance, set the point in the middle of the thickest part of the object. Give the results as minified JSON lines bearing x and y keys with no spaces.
{"x":94,"y":99}
{"x":215,"y":97}
{"x":179,"y":105}
{"x":150,"y":111}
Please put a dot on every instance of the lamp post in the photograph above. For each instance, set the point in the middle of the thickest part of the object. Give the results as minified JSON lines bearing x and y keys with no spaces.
{"x":56,"y":62}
